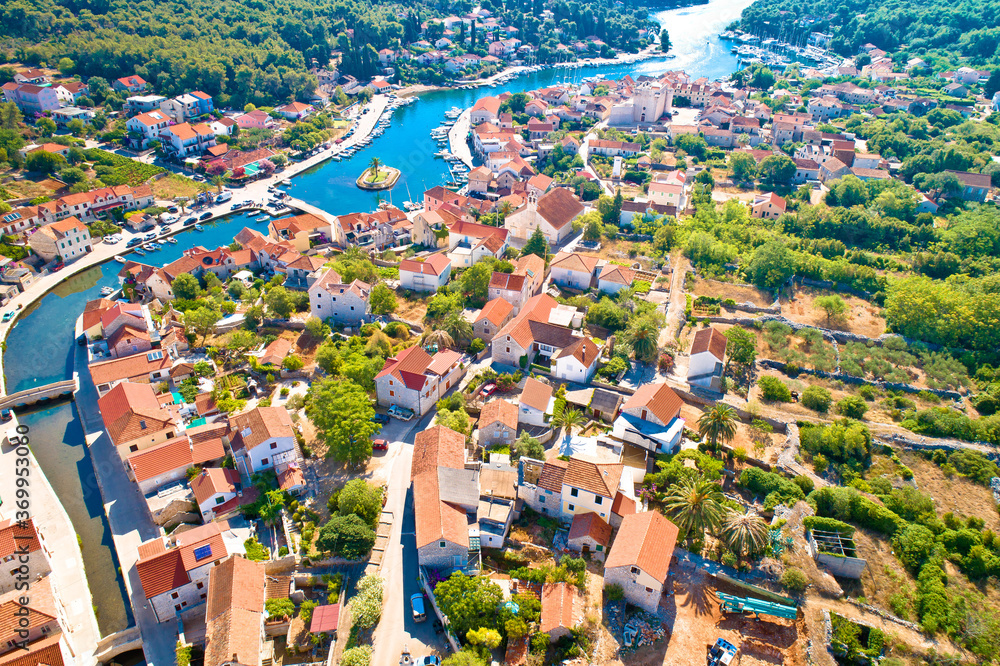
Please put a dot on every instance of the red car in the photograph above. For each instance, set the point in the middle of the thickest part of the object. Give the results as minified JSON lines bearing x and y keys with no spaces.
{"x":380,"y":445}
{"x":488,"y":390}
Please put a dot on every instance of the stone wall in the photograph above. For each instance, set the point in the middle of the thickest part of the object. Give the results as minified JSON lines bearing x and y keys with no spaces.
{"x":851,"y":379}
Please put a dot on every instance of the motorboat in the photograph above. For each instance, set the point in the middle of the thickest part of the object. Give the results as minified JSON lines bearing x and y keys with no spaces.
{"x":148,"y":247}
{"x":120,"y":259}
{"x":139,"y":252}
{"x":107,"y":291}
{"x":171,"y":240}
{"x":198,"y":227}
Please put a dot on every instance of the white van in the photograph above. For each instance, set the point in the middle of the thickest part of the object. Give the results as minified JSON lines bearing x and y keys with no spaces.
{"x":224,"y":197}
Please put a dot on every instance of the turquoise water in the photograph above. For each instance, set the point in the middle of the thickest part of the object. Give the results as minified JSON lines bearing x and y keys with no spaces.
{"x":39,"y":348}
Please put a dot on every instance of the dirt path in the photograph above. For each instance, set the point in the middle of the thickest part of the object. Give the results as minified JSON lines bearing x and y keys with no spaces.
{"x":675,"y":308}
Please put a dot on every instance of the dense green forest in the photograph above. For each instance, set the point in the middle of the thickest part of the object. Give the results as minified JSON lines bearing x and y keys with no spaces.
{"x":905,"y":28}
{"x":254,"y":51}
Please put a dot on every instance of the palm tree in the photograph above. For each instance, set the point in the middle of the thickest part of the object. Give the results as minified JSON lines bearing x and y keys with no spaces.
{"x":218,"y":181}
{"x":624,"y":298}
{"x":643,"y":335}
{"x":695,"y":505}
{"x":457,"y":326}
{"x":505,"y":209}
{"x":569,"y":418}
{"x":718,"y":423}
{"x":744,"y":533}
{"x":374,"y":165}
{"x":438,"y":338}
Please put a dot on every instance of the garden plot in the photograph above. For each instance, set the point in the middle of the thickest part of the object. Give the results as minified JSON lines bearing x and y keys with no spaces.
{"x":894,"y":361}
{"x":805,"y":348}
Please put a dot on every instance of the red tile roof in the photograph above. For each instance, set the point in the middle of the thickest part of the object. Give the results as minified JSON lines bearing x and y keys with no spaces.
{"x":710,"y":340}
{"x":598,"y":478}
{"x":499,"y":411}
{"x":645,"y":540}
{"x":163,"y":569}
{"x":235,"y":612}
{"x":14,"y":538}
{"x":214,"y":481}
{"x":158,"y":460}
{"x":553,"y":474}
{"x":436,"y":264}
{"x":43,"y":652}
{"x":325,"y":619}
{"x":408,"y":366}
{"x":659,"y":399}
{"x":495,"y":311}
{"x":590,"y":525}
{"x":557,"y":606}
{"x":437,"y":447}
{"x":573,"y":261}
{"x":131,"y":410}
{"x":583,"y":350}
{"x":507,"y":281}
{"x":258,"y":425}
{"x":536,"y":394}
{"x":435,"y":520}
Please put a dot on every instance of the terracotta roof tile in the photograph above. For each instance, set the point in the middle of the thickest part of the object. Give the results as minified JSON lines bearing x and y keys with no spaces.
{"x":617,"y":274}
{"x":435,"y":447}
{"x":213,"y":481}
{"x":13,"y":537}
{"x":160,"y":459}
{"x":536,"y":394}
{"x":645,"y":540}
{"x":408,"y":366}
{"x":130,"y":410}
{"x":499,"y":410}
{"x":659,"y":399}
{"x":234,"y":613}
{"x":573,"y":261}
{"x":507,"y":281}
{"x":590,"y":525}
{"x":495,"y":311}
{"x":710,"y":340}
{"x":256,"y":426}
{"x":557,"y":606}
{"x":43,"y":652}
{"x":598,"y":478}
{"x":435,"y":520}
{"x":553,"y":474}
{"x":583,"y":350}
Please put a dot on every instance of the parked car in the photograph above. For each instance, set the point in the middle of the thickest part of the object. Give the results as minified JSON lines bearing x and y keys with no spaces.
{"x":488,"y":390}
{"x":150,"y":236}
{"x":191,"y":220}
{"x":380,"y":445}
{"x":6,"y":415}
{"x":173,"y":209}
{"x":380,"y":418}
{"x":132,"y":242}
{"x":205,"y":216}
{"x":417,"y":603}
{"x":7,"y":316}
{"x":429,"y":660}
{"x":400,"y":413}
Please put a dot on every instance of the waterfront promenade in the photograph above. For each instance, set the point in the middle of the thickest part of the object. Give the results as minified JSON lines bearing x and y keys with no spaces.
{"x":458,"y":142}
{"x":68,"y":579}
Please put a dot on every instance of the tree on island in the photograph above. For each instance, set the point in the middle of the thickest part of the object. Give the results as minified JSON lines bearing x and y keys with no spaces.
{"x":373,"y":166}
{"x":664,"y":41}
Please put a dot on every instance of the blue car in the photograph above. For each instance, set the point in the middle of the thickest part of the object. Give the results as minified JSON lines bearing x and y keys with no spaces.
{"x":380,"y":418}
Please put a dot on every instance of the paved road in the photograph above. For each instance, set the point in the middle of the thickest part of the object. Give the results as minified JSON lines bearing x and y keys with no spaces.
{"x":128,"y":518}
{"x":399,"y":567}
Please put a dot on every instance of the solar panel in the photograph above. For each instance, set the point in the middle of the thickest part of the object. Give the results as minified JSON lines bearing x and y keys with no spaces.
{"x":201,"y":552}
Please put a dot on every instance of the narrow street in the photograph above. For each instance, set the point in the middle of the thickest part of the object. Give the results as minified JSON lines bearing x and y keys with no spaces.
{"x":675,"y":308}
{"x":399,"y":567}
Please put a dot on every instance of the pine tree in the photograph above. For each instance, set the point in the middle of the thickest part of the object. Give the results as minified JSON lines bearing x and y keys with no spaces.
{"x":536,"y":245}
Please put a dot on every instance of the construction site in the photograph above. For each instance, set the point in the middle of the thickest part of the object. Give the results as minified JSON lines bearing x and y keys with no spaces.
{"x":760,"y":627}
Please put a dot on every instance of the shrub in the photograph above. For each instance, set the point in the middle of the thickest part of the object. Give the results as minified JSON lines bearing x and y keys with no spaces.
{"x":844,"y":441}
{"x":614,"y":592}
{"x":817,"y":398}
{"x":477,"y":345}
{"x":828,"y":525}
{"x":820,"y":463}
{"x":773,"y":389}
{"x":805,"y":483}
{"x":852,"y":407}
{"x":849,"y":505}
{"x":279,"y":607}
{"x":794,"y":580}
{"x":868,"y":392}
{"x":764,"y":483}
{"x":359,"y":655}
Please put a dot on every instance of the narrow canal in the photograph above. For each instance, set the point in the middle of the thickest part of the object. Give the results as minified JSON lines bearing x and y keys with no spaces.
{"x":39,"y":349}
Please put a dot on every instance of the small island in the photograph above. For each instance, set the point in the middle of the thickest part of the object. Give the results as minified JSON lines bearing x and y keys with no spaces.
{"x":377,"y":176}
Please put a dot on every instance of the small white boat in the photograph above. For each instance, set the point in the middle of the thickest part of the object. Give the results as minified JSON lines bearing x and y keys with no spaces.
{"x":172,"y":240}
{"x":198,"y":227}
{"x":139,"y":252}
{"x":149,"y":247}
{"x":107,"y":291}
{"x":120,"y":259}
{"x":262,"y":218}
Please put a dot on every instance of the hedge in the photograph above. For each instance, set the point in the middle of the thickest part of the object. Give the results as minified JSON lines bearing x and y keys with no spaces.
{"x":824,"y":524}
{"x":847,"y":504}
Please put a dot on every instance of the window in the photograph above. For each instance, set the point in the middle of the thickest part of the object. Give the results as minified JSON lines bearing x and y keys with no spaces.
{"x":599,"y":548}
{"x":442,"y":544}
{"x":174,"y":595}
{"x":571,"y":507}
{"x":219,"y":500}
{"x":634,"y":570}
{"x":574,"y":492}
{"x":274,"y":445}
{"x":133,"y":448}
{"x":177,"y":607}
{"x":392,"y":394}
{"x":598,"y":499}
{"x":541,"y":500}
{"x":649,"y":590}
{"x":200,"y":585}
{"x":263,"y":461}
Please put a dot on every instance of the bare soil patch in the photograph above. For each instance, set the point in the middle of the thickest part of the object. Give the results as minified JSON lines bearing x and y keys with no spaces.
{"x":861,"y":317}
{"x":724,"y":290}
{"x":174,"y":186}
{"x":958,"y":495}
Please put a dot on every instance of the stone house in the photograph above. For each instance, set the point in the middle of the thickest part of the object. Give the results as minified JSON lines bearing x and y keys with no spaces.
{"x":561,"y":610}
{"x":590,"y":534}
{"x":134,"y":418}
{"x":576,"y":362}
{"x":263,"y":438}
{"x":17,"y":538}
{"x":553,"y":212}
{"x":66,"y":240}
{"x":494,"y":316}
{"x":640,"y":558}
{"x":330,"y":298}
{"x":650,"y":418}
{"x":515,"y":289}
{"x":708,"y":351}
{"x":497,"y":423}
{"x":415,"y":380}
{"x":574,"y":270}
{"x":430,"y":274}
